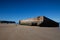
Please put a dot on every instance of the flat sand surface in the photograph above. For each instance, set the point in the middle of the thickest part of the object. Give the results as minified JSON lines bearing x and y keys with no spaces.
{"x":21,"y":32}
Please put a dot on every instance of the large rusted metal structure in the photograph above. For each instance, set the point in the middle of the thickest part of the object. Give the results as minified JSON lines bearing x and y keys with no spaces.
{"x":40,"y":21}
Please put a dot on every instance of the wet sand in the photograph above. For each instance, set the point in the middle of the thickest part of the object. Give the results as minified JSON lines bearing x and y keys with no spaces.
{"x":21,"y":32}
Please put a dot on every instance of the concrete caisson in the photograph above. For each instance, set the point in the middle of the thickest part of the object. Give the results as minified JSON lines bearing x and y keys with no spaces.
{"x":39,"y":21}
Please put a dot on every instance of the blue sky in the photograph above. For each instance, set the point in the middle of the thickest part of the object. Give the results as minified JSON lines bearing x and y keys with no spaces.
{"x":16,"y":10}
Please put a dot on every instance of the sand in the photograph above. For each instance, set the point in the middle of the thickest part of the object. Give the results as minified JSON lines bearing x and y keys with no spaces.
{"x":21,"y":32}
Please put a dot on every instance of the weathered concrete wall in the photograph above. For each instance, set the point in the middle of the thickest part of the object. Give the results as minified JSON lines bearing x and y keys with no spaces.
{"x":40,"y":21}
{"x":28,"y":21}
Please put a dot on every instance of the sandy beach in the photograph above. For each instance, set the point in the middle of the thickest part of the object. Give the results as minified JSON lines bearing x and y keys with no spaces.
{"x":21,"y":32}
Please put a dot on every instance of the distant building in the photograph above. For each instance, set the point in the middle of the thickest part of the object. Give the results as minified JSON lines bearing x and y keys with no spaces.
{"x":7,"y":21}
{"x":39,"y":21}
